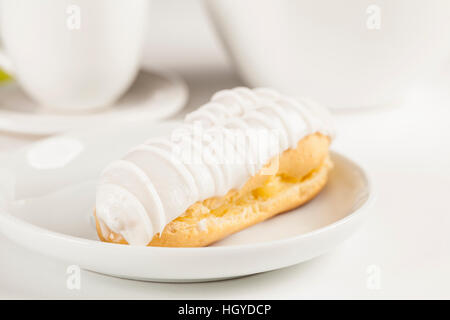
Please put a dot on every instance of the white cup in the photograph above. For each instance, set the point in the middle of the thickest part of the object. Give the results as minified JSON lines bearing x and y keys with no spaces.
{"x":73,"y":55}
{"x":345,"y":54}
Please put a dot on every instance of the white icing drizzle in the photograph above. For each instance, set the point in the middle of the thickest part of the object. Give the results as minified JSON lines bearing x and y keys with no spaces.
{"x":139,"y":195}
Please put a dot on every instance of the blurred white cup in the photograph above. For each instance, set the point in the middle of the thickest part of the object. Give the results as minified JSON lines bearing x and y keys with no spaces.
{"x":345,"y":54}
{"x":73,"y":55}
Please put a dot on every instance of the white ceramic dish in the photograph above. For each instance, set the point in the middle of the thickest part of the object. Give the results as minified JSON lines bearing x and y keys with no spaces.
{"x":73,"y":56}
{"x":47,"y":196}
{"x":153,"y":95}
{"x":345,"y":54}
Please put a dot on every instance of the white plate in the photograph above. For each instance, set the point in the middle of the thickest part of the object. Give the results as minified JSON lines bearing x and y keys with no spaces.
{"x":154,"y":95}
{"x":48,"y":192}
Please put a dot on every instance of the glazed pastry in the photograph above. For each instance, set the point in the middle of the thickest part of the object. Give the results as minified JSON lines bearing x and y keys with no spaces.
{"x":244,"y":157}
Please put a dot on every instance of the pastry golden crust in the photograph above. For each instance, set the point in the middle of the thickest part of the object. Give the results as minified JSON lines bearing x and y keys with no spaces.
{"x":301,"y":174}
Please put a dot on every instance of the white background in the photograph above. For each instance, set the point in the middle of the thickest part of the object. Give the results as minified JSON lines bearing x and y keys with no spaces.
{"x":405,"y":244}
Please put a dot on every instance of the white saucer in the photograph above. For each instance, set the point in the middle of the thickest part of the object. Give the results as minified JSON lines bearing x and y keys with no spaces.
{"x":47,"y":199}
{"x":154,"y":95}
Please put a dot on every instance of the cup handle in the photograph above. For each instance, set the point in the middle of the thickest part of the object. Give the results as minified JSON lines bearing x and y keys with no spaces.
{"x":5,"y":63}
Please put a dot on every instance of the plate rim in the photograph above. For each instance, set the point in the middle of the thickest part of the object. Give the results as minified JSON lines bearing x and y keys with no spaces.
{"x":8,"y":125}
{"x":74,"y":240}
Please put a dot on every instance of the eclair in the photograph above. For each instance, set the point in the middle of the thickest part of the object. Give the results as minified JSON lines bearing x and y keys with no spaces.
{"x":243,"y":157}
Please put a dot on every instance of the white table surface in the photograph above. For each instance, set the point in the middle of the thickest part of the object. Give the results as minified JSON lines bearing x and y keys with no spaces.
{"x":404,"y":246}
